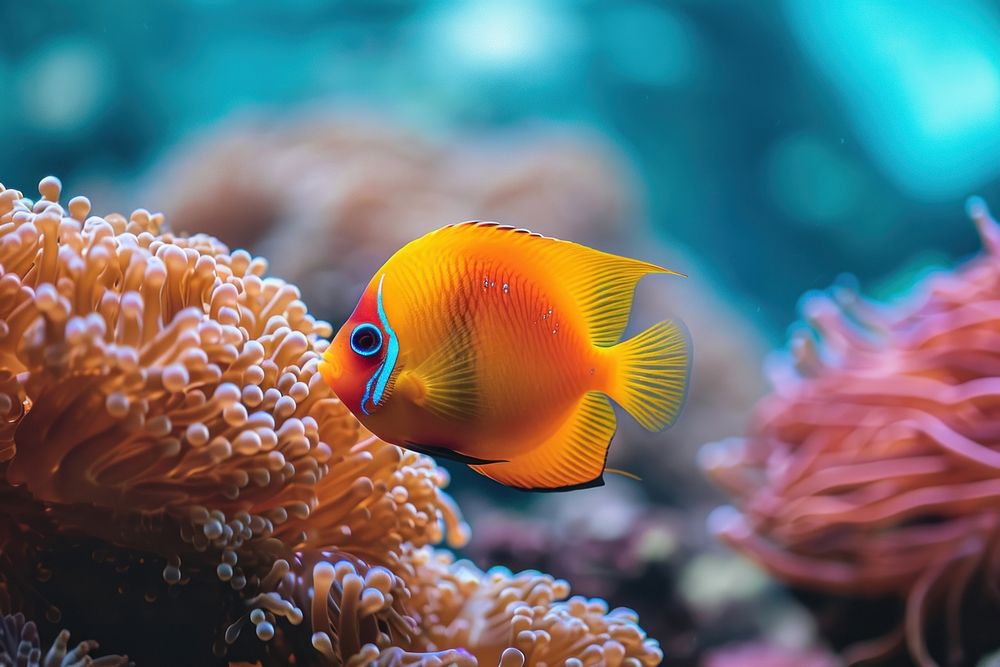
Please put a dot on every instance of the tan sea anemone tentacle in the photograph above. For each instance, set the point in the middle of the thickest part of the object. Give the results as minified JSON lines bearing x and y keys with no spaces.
{"x":20,"y":646}
{"x":503,"y":618}
{"x":147,"y":376}
{"x":161,"y":415}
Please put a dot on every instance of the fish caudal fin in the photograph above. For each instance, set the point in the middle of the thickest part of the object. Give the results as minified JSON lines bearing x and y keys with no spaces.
{"x":571,"y":458}
{"x":652,"y":374}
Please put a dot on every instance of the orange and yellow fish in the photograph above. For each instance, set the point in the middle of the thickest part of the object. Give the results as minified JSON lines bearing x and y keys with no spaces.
{"x":499,"y":348}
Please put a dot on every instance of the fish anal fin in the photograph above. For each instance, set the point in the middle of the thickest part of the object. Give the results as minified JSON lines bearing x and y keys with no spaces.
{"x":451,"y":455}
{"x":599,"y":283}
{"x":571,"y":458}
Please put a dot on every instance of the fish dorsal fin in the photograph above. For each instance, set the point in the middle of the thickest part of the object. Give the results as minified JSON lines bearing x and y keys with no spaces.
{"x":599,"y":283}
{"x":445,"y":382}
{"x":571,"y":458}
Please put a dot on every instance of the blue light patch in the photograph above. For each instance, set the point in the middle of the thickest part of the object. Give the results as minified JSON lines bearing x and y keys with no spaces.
{"x":921,"y":82}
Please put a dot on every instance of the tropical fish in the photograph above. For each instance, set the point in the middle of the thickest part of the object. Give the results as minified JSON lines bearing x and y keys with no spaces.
{"x":499,"y":348}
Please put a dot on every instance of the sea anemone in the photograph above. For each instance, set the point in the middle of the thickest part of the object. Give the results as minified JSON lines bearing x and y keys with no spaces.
{"x":20,"y":646}
{"x":162,"y":395}
{"x":167,"y":441}
{"x":872,"y":468}
{"x":521,"y":619}
{"x":610,"y":544}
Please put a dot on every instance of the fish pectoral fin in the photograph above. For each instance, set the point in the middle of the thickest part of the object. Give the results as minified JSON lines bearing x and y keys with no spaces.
{"x":445,"y":453}
{"x":453,"y":403}
{"x":445,"y":383}
{"x":448,"y":401}
{"x":571,"y":458}
{"x":410,"y":386}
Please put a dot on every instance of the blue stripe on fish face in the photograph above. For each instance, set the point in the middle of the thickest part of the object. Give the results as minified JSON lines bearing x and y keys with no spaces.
{"x":368,"y":390}
{"x":392,"y":349}
{"x":375,"y":388}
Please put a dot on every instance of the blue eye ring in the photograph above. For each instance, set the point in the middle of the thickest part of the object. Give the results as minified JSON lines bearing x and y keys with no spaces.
{"x":366,"y":339}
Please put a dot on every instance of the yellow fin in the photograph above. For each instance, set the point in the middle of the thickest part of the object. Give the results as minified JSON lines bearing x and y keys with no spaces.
{"x":571,"y":458}
{"x":599,"y":283}
{"x":445,"y":383}
{"x":411,"y":387}
{"x":652,"y":375}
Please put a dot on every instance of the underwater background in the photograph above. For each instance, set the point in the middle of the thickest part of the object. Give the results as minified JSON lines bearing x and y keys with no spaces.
{"x":765,"y":149}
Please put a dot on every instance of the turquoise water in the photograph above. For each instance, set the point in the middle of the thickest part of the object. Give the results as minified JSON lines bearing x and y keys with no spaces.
{"x":782,"y":142}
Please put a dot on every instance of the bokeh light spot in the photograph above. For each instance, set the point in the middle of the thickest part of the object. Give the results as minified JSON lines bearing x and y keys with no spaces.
{"x":497,"y":36}
{"x":921,"y":82}
{"x":64,"y":86}
{"x":650,"y":45}
{"x":712,"y":580}
{"x":808,"y":178}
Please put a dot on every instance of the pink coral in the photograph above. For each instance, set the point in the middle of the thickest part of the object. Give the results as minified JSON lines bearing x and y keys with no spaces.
{"x":872,"y":468}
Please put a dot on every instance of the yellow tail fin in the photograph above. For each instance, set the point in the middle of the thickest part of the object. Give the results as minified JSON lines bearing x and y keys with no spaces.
{"x":653,"y":369}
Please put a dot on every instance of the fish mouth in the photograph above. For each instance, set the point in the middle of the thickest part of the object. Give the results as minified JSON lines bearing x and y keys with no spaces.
{"x":330,"y":370}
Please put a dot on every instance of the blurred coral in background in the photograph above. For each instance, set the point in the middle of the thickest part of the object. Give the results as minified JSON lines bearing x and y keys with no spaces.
{"x":872,"y":468}
{"x":357,"y":188}
{"x":172,"y":462}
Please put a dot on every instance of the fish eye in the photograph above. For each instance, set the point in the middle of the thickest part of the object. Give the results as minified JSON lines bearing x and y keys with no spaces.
{"x":366,"y":339}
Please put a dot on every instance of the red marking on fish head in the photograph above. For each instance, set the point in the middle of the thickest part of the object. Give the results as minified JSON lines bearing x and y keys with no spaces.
{"x":348,"y":367}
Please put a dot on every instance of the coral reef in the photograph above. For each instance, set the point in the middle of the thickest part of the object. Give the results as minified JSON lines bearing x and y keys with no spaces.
{"x":168,"y":442}
{"x":872,"y":468}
